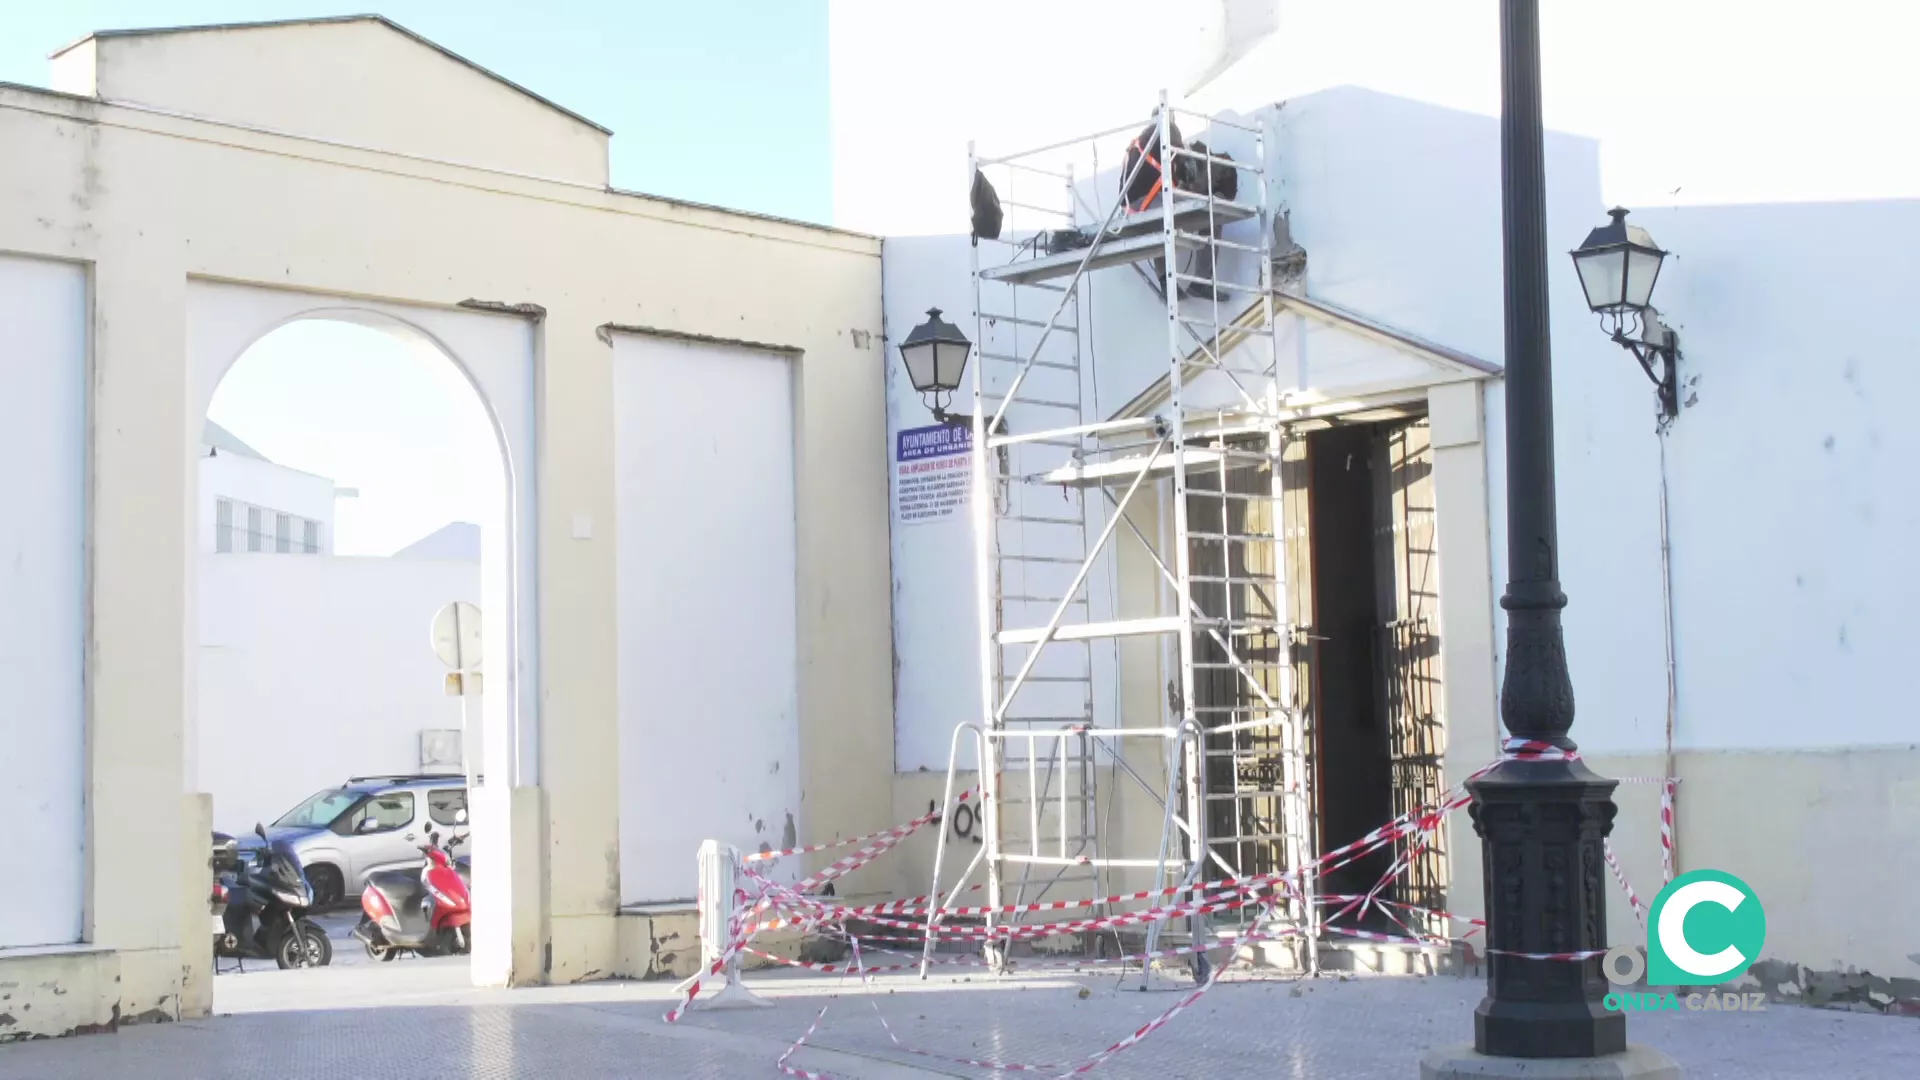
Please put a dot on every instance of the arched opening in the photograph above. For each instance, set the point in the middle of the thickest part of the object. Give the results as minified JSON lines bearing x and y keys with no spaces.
{"x":361,"y":469}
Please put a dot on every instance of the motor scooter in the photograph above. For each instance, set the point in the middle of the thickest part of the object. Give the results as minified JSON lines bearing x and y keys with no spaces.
{"x":428,"y":913}
{"x":266,"y":900}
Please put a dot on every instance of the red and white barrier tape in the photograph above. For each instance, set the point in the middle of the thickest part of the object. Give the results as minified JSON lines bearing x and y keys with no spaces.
{"x":1567,"y":956}
{"x":897,"y":832}
{"x":801,"y":1042}
{"x":1391,"y":939}
{"x":873,"y":999}
{"x":1035,"y":963}
{"x":1210,"y":897}
{"x":1208,"y":904}
{"x":1619,"y":875}
{"x":1666,"y":830}
{"x":1430,"y":912}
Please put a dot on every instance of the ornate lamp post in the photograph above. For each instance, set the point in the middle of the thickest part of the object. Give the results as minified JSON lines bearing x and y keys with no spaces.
{"x":1541,"y":822}
{"x":1542,"y":815}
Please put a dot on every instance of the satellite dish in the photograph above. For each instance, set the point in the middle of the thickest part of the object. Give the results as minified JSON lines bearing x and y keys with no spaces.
{"x":456,"y":636}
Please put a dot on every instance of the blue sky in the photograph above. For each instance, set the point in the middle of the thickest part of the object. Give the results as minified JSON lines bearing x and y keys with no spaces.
{"x":694,"y":93}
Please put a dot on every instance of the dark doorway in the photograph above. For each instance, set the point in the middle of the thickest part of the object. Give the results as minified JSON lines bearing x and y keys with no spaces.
{"x":1352,"y":766}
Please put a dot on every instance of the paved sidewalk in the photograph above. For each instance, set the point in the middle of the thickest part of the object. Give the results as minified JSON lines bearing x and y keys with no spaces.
{"x":418,"y":1021}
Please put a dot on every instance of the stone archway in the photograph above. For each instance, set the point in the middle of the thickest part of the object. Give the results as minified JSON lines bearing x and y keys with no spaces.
{"x":495,"y":353}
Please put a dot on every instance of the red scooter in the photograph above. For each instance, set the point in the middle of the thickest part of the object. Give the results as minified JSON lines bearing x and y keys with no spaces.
{"x":428,"y":914}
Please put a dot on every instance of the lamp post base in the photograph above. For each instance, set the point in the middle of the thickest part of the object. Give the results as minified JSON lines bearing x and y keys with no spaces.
{"x":1466,"y":1063}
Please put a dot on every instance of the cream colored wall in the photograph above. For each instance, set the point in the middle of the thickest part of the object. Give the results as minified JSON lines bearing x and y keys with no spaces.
{"x":1143,"y":686}
{"x":149,"y":201}
{"x":358,"y":82}
{"x":1824,"y":837}
{"x":196,"y":942}
{"x":1470,"y":700}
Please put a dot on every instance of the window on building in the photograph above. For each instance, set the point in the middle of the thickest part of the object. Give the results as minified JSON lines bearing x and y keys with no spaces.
{"x":311,"y":542}
{"x":256,"y":538}
{"x":283,"y":533}
{"x":223,"y":525}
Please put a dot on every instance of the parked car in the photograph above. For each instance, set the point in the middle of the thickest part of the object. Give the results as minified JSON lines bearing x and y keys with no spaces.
{"x":368,"y":824}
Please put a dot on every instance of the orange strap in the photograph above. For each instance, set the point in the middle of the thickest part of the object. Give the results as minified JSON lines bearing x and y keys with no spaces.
{"x":1160,"y":178}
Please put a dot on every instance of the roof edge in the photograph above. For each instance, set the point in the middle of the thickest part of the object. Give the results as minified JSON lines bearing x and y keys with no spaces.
{"x":1253,"y":318}
{"x":323,"y":20}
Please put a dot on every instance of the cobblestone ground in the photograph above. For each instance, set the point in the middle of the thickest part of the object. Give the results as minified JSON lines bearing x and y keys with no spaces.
{"x":416,"y":1020}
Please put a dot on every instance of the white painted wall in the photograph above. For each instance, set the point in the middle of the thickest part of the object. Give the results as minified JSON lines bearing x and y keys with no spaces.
{"x":264,"y":484}
{"x":43,"y":574}
{"x":1792,"y":476}
{"x":1392,"y":184}
{"x":936,"y":624}
{"x":709,"y":697}
{"x":314,"y":670}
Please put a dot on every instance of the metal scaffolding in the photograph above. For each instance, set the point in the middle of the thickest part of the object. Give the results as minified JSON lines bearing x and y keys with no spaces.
{"x":1053,"y":482}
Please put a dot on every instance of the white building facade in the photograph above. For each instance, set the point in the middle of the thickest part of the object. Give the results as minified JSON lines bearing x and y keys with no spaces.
{"x":250,"y":503}
{"x":1773,"y":698}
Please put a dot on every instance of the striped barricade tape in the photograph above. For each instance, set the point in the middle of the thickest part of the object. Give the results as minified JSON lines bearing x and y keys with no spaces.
{"x":1210,"y":904}
{"x":873,"y":999}
{"x":1666,"y":830}
{"x":1430,"y":912}
{"x":1210,"y":897}
{"x":1619,"y":875}
{"x":898,"y":831}
{"x":800,"y":1042}
{"x":1045,"y":964}
{"x":1390,"y":939}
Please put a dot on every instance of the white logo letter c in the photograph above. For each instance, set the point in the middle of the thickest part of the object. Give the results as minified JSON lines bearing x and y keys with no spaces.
{"x":1673,"y":935}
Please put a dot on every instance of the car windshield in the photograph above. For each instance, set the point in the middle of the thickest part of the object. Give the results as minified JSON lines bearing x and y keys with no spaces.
{"x":319,"y":811}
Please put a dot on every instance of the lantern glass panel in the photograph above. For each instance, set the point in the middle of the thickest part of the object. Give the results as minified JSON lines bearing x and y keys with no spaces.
{"x":920,"y":365}
{"x":1643,"y":267}
{"x":950,"y":361}
{"x":1601,"y":274}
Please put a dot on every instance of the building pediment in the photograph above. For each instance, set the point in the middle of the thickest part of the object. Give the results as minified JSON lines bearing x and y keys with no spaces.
{"x":360,"y":80}
{"x":1327,"y":354}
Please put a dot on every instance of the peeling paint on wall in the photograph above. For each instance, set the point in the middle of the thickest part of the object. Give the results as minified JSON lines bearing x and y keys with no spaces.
{"x":1850,"y":989}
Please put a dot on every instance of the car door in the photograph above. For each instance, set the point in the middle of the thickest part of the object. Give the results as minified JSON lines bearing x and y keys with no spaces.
{"x":447,"y":813}
{"x":383,"y":834}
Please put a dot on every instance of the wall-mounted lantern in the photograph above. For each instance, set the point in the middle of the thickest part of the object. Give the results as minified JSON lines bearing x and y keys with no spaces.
{"x":935,"y":354}
{"x":1618,"y":266}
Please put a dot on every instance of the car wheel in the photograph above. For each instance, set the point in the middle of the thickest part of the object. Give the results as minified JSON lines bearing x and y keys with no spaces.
{"x":329,"y":888}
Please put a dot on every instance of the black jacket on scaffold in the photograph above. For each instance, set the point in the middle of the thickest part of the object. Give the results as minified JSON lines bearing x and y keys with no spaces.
{"x":1143,"y":187}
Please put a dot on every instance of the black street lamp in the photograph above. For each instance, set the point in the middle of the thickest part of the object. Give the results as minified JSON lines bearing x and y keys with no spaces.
{"x":1541,"y":814}
{"x":1618,"y":266}
{"x":935,"y":354}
